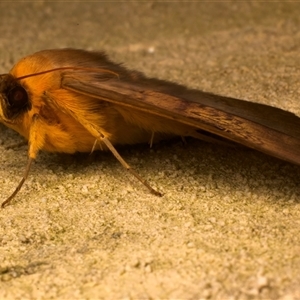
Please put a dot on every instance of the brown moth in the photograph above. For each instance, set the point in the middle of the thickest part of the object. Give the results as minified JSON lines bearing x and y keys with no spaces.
{"x":78,"y":101}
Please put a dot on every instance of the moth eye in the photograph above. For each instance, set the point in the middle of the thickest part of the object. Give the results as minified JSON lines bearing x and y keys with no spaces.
{"x":17,"y":97}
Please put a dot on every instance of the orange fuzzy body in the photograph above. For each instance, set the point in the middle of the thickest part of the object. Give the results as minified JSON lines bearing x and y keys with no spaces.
{"x":63,"y":133}
{"x":58,"y":109}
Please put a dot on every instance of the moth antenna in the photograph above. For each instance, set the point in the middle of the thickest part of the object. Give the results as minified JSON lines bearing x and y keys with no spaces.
{"x":68,"y":68}
{"x":8,"y":200}
{"x":126,"y":165}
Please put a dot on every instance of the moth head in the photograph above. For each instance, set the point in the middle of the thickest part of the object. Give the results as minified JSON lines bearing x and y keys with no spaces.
{"x":14,"y":99}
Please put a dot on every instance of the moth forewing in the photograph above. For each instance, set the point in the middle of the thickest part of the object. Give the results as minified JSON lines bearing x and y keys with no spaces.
{"x":247,"y":124}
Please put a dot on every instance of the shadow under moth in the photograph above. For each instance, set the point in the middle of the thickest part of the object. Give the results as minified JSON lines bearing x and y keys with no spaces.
{"x":72,"y":100}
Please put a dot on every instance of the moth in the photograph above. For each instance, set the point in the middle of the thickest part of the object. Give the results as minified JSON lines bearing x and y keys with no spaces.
{"x":71,"y":100}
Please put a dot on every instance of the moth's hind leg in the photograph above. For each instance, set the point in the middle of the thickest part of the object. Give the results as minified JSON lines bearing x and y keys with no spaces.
{"x":113,"y":150}
{"x":100,"y":122}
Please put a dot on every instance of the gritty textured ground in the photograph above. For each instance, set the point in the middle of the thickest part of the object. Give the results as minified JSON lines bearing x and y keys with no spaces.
{"x":228,"y":225}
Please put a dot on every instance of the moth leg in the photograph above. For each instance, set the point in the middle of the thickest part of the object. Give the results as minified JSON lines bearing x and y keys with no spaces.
{"x":94,"y":146}
{"x":184,"y":142}
{"x":113,"y":150}
{"x":151,"y":139}
{"x":96,"y":131}
{"x":36,"y":142}
{"x":8,"y":200}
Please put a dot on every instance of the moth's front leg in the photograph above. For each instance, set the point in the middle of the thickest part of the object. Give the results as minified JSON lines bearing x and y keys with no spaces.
{"x":36,"y":136}
{"x":36,"y":142}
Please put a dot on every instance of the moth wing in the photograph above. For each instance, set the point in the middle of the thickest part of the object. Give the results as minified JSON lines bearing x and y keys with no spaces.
{"x":264,"y":128}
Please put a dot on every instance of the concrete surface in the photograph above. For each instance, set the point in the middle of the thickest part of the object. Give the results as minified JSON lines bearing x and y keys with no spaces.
{"x":228,"y":224}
